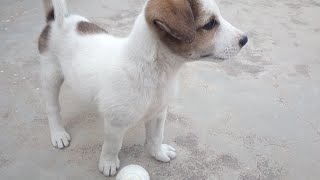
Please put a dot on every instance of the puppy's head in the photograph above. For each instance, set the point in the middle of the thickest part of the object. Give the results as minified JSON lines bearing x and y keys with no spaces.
{"x":194,"y":28}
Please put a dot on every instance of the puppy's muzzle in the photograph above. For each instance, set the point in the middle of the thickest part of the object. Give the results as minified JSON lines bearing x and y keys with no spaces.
{"x":243,"y":41}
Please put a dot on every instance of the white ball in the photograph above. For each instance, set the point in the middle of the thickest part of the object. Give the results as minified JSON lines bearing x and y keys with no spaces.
{"x":133,"y":172}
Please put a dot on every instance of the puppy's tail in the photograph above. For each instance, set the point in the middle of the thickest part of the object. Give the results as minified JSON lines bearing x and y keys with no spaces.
{"x":56,"y":10}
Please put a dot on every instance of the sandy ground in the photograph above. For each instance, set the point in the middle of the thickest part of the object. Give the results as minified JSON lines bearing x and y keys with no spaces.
{"x":253,"y":117}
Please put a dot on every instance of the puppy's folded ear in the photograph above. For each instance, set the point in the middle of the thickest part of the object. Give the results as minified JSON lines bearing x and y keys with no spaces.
{"x":175,"y":17}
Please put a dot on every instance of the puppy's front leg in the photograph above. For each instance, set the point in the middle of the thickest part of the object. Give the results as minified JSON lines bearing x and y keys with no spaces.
{"x":109,"y":161}
{"x":154,"y":138}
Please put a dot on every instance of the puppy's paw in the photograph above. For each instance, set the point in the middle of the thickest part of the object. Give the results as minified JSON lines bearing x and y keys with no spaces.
{"x":60,"y":139}
{"x":164,"y":154}
{"x":109,"y":167}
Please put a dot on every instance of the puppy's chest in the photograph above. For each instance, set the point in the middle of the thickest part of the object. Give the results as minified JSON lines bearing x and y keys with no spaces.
{"x":155,"y":98}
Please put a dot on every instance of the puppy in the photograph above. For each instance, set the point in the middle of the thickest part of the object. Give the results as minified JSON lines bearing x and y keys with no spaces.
{"x":129,"y":79}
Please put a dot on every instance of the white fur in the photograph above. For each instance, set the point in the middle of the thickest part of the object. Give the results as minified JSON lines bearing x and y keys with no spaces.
{"x":130,"y":79}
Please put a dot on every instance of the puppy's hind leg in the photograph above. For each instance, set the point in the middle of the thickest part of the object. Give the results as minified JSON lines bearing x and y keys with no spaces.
{"x":52,"y":79}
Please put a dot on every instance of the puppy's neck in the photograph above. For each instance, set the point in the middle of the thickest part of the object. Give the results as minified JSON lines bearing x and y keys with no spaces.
{"x":145,"y":47}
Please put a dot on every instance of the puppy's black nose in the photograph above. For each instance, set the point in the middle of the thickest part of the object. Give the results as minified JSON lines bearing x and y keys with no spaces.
{"x":243,"y":41}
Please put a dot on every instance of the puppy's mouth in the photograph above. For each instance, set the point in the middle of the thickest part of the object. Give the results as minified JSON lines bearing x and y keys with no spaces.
{"x":207,"y":55}
{"x":212,"y":56}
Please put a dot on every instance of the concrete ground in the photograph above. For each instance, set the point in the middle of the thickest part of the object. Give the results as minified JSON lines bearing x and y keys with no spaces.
{"x":253,"y":117}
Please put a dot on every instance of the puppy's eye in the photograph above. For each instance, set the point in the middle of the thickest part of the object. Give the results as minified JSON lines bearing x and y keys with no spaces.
{"x":210,"y":25}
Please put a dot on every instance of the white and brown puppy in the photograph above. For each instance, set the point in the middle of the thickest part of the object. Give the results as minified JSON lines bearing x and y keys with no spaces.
{"x":129,"y":79}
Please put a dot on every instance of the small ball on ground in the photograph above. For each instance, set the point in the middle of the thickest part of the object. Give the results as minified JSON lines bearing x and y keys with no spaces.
{"x":133,"y":172}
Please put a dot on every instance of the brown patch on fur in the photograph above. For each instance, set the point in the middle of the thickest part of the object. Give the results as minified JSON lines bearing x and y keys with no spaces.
{"x":44,"y":39}
{"x":173,"y":18}
{"x":196,"y":8}
{"x":50,"y":16}
{"x":182,"y":17}
{"x":85,"y":28}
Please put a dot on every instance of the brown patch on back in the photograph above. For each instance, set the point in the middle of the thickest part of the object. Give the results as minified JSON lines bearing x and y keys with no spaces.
{"x":43,"y":41}
{"x":176,"y":14}
{"x":50,"y":16}
{"x":85,"y":28}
